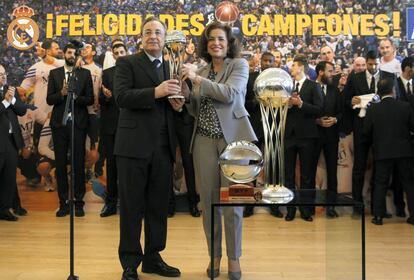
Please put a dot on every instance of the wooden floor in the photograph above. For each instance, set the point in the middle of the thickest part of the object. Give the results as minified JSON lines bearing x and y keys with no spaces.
{"x":37,"y":248}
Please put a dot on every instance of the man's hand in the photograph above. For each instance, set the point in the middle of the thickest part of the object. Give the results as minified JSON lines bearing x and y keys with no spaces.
{"x":326,"y":121}
{"x":355,"y":100}
{"x":177,"y":103}
{"x":65,"y":87}
{"x":10,"y":94}
{"x":296,"y":100}
{"x":26,"y":152}
{"x":169,"y":87}
{"x":106,"y":92}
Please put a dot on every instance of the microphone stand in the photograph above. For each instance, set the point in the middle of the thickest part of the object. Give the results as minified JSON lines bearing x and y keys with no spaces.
{"x":70,"y":101}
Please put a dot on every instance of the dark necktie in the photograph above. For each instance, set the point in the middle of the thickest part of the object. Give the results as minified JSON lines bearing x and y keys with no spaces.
{"x":159,"y":69}
{"x":408,"y":89}
{"x":297,"y":88}
{"x":372,"y":86}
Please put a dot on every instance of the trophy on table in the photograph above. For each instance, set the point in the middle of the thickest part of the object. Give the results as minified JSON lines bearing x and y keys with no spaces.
{"x":241,"y":162}
{"x":175,"y":43}
{"x":273,"y":89}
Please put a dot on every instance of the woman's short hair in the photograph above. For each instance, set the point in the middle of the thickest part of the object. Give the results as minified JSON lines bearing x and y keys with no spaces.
{"x":233,"y":44}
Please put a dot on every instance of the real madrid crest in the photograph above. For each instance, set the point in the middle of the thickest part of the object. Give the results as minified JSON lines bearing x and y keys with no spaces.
{"x":23,"y":32}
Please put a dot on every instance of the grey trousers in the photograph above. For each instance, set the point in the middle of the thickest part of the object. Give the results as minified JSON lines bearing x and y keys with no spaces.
{"x":206,"y":152}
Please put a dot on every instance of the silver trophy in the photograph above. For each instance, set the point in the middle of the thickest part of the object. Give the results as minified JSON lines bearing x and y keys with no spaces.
{"x":241,"y":162}
{"x":273,"y":89}
{"x":175,"y":43}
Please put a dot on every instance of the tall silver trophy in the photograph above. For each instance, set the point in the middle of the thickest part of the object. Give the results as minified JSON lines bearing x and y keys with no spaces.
{"x":175,"y":43}
{"x":273,"y":89}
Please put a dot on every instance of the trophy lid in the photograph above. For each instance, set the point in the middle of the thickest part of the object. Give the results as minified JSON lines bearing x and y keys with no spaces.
{"x":175,"y":36}
{"x":273,"y":81}
{"x":241,"y":162}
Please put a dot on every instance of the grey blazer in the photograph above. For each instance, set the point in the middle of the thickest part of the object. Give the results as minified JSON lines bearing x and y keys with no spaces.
{"x":228,"y":92}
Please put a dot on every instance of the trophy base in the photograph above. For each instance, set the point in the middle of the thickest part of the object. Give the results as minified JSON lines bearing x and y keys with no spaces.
{"x":176,"y":97}
{"x":277,"y":194}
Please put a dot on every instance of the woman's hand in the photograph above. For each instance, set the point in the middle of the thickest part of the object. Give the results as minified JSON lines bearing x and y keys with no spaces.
{"x":188,"y":71}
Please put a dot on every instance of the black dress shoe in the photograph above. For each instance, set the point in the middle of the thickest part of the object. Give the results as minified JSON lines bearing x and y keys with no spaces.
{"x":410,"y":220}
{"x":108,"y":210}
{"x":20,"y":211}
{"x":291,"y":213}
{"x":79,"y":212}
{"x":377,"y":221}
{"x":171,"y":212}
{"x":248,"y":211}
{"x":161,"y":268}
{"x":275,"y":212}
{"x":401,"y":213}
{"x":387,"y":215}
{"x":194,"y":211}
{"x":306,"y":216}
{"x":130,"y":274}
{"x":63,"y":211}
{"x":331,"y":212}
{"x":8,"y":216}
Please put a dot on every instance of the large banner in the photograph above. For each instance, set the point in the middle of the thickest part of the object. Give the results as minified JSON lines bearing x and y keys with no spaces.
{"x":349,"y":27}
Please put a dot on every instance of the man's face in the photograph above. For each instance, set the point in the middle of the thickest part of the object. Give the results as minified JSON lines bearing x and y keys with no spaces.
{"x":70,"y":57}
{"x":372,"y":65}
{"x":327,"y":54}
{"x":411,"y":71}
{"x":54,"y":50}
{"x":386,"y":49}
{"x":118,"y":52}
{"x":359,"y":65}
{"x":327,"y":74}
{"x":88,"y":52}
{"x":3,"y":76}
{"x":267,"y":61}
{"x":153,"y":38}
{"x":296,"y":69}
{"x":278,"y":59}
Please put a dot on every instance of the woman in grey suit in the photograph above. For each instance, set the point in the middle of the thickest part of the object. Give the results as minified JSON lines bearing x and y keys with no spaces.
{"x":217,"y":103}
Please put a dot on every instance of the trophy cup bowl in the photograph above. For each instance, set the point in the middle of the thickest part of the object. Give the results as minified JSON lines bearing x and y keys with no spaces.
{"x":175,"y":43}
{"x":241,"y":162}
{"x":273,"y":89}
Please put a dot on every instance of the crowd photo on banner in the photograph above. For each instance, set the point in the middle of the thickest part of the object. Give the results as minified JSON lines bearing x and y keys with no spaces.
{"x":349,"y":126}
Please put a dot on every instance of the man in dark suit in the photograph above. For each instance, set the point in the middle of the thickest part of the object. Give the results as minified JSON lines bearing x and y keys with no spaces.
{"x":327,"y":54}
{"x":61,"y":81}
{"x":301,"y":132}
{"x":361,"y":83}
{"x":108,"y":125}
{"x":184,"y":124}
{"x":388,"y":125}
{"x":11,"y":141}
{"x":145,"y":150}
{"x":404,"y":92}
{"x":328,"y":128}
{"x":253,"y":107}
{"x":405,"y":81}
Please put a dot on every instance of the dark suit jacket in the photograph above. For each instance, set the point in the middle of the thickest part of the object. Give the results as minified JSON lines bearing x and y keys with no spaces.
{"x":357,"y":85}
{"x":109,"y":108}
{"x":84,"y":96}
{"x":332,"y":107}
{"x":253,"y":107}
{"x":387,"y":125}
{"x":402,"y":93}
{"x":139,"y":126}
{"x":8,"y":116}
{"x":301,"y":122}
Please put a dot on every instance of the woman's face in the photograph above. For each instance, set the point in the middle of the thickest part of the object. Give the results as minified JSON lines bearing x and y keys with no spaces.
{"x":218,"y":44}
